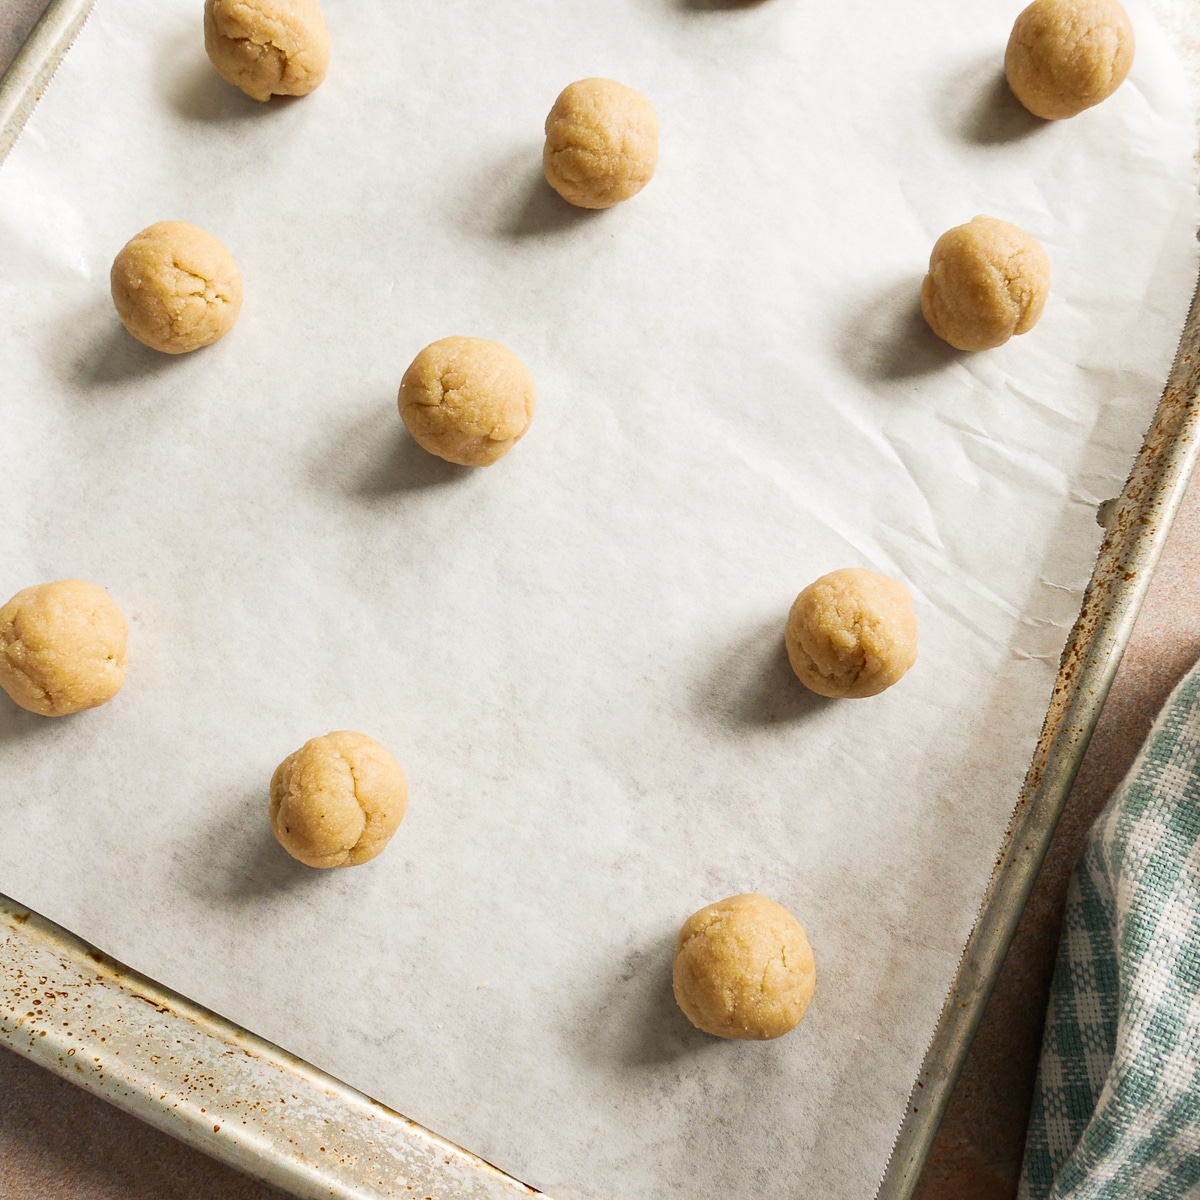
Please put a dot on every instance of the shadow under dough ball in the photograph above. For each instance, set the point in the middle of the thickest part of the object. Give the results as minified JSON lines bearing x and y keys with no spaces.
{"x":851,"y":634}
{"x":467,"y":400}
{"x":744,"y":969}
{"x":337,"y":800}
{"x":62,"y":647}
{"x":1065,"y":56}
{"x":987,"y":281}
{"x":267,"y":47}
{"x":176,"y":288}
{"x":601,"y":143}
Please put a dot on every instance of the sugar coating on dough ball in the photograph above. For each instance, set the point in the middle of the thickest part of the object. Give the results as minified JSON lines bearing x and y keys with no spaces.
{"x":1065,"y":56}
{"x":467,"y":400}
{"x":337,"y":800}
{"x":62,"y":647}
{"x":744,"y":969}
{"x":601,"y":143}
{"x":267,"y":47}
{"x":851,"y":634}
{"x":176,"y":288}
{"x":987,"y":281}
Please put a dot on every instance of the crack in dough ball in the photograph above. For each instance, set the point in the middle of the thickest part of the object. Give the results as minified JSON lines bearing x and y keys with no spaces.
{"x":267,"y":47}
{"x":601,"y":143}
{"x":62,"y":647}
{"x":1065,"y":56}
{"x":987,"y":281}
{"x":337,"y":801}
{"x":176,"y":288}
{"x":467,"y":400}
{"x":851,"y":634}
{"x":744,"y":969}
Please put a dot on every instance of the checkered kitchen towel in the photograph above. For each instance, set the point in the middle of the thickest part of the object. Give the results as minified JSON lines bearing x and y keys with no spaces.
{"x":1116,"y":1112}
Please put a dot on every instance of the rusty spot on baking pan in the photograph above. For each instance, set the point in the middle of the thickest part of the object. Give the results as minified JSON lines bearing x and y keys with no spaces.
{"x":154,"y":1004}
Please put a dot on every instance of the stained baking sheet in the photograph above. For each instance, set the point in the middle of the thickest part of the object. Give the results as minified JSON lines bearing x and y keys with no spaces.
{"x":575,"y":653}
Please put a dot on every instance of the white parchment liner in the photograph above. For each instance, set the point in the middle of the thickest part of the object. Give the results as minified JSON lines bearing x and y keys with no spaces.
{"x":576,"y":654}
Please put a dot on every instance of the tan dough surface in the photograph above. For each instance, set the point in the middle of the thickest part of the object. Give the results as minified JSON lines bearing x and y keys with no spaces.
{"x":267,"y":47}
{"x":467,"y":400}
{"x":987,"y":281}
{"x":601,"y":143}
{"x":337,"y":800}
{"x":851,"y":633}
{"x":1064,"y":56}
{"x":62,"y":647}
{"x":744,"y":969}
{"x":176,"y":288}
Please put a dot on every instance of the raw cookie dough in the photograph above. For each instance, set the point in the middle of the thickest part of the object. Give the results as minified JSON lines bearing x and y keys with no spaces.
{"x":62,"y":647}
{"x":1065,"y":55}
{"x":467,"y":400}
{"x":176,"y":288}
{"x":852,"y":633}
{"x":744,"y":969}
{"x":267,"y":47}
{"x":337,"y":801}
{"x":987,"y":280}
{"x":601,"y":143}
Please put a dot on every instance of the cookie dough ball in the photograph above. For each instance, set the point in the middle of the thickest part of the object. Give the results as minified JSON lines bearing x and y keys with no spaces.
{"x":62,"y":647}
{"x":601,"y":143}
{"x":987,"y":280}
{"x":267,"y":47}
{"x":1065,"y":55}
{"x":467,"y":400}
{"x":176,"y":288}
{"x":337,"y":801}
{"x":744,"y":969}
{"x":852,"y":633}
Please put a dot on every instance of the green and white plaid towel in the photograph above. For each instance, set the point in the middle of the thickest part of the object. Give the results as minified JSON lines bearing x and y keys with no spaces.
{"x":1116,"y":1111}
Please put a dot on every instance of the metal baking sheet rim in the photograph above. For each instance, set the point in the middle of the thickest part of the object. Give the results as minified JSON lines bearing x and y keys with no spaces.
{"x":191,"y":1073}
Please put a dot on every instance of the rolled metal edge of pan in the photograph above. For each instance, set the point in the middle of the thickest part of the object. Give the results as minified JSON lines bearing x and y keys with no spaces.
{"x":202,"y":1079}
{"x":22,"y":85}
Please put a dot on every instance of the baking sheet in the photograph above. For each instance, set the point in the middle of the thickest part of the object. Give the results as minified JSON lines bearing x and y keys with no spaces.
{"x":575,"y":653}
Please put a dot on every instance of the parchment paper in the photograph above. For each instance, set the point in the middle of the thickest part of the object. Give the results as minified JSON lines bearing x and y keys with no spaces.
{"x":577,"y":653}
